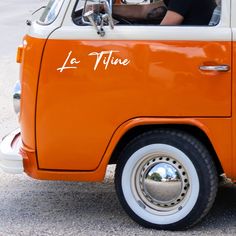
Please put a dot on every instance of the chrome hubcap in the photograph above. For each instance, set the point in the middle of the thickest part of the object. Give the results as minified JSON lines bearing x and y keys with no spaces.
{"x":161,"y":183}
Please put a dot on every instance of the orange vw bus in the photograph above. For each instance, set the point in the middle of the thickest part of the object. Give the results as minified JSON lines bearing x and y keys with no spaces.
{"x":102,"y":84}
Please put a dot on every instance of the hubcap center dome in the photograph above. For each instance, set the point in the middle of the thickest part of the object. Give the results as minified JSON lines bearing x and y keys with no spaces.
{"x":162,"y":182}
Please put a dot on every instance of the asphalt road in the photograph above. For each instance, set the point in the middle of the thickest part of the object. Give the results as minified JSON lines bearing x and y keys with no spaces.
{"x":32,"y":207}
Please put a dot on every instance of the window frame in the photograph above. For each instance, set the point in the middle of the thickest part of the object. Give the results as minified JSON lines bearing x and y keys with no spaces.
{"x":61,"y":2}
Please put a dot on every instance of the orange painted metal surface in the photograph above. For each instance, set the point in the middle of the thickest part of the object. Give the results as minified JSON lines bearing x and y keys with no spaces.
{"x":79,"y":109}
{"x":81,"y":113}
{"x":218,"y":131}
{"x":234,"y":109}
{"x":29,"y":74}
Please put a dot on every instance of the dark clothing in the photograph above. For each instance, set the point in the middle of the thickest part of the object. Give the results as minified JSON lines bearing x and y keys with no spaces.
{"x":195,"y":12}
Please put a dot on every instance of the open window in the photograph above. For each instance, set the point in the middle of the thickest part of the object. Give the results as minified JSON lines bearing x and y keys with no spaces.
{"x":124,"y":12}
{"x":130,"y":12}
{"x":139,"y":12}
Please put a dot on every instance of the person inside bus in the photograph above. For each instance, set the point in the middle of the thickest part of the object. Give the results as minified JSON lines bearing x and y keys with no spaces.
{"x":188,"y":12}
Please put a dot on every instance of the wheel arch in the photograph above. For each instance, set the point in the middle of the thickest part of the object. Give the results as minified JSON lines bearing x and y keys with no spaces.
{"x":190,"y":129}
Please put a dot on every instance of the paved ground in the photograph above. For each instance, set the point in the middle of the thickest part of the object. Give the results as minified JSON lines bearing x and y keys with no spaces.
{"x":31,"y":207}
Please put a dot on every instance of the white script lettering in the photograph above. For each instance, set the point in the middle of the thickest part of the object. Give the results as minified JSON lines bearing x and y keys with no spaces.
{"x":106,"y":58}
{"x":73,"y":61}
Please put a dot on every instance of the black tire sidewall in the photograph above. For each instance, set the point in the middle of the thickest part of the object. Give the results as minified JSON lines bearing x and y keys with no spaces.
{"x":197,"y":154}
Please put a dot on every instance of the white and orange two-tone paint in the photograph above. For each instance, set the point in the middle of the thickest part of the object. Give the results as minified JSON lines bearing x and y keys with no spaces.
{"x":85,"y":98}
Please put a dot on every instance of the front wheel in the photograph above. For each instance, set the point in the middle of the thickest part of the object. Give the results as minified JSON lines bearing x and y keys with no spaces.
{"x":166,"y":179}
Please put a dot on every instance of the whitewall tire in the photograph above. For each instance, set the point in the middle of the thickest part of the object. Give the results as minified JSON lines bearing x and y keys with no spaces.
{"x":166,"y":179}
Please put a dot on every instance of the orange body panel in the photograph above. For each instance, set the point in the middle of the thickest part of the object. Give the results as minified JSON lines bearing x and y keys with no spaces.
{"x":79,"y":109}
{"x":29,"y":74}
{"x":218,"y":131}
{"x":81,"y":113}
{"x":234,"y":109}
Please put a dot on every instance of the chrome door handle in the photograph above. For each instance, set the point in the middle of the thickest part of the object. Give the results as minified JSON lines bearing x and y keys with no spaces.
{"x":220,"y":68}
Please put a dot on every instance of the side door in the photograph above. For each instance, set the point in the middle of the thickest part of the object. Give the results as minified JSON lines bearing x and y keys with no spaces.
{"x":233,"y":25}
{"x":90,"y":85}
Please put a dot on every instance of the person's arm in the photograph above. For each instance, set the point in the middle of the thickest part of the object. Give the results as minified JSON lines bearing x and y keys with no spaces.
{"x":172,"y":18}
